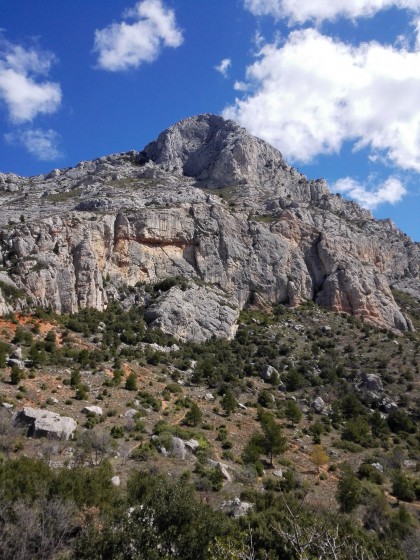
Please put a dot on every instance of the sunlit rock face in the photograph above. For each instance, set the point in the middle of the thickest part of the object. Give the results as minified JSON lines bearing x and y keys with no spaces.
{"x":211,"y":204}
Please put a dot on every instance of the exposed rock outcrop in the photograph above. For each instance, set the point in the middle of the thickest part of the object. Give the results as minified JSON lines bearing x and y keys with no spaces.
{"x":44,"y":423}
{"x":208,"y":202}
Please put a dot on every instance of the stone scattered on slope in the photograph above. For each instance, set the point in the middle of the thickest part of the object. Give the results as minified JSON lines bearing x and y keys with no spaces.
{"x":192,"y":445}
{"x":44,"y":423}
{"x":178,"y":448}
{"x":92,"y":410}
{"x":236,"y":508}
{"x":268,"y":372}
{"x":319,"y":404}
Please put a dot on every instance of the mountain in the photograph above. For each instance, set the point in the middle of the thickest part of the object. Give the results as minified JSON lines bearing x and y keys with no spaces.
{"x":202,"y":221}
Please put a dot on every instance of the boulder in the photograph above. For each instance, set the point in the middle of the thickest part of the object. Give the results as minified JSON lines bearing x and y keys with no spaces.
{"x":7,"y":406}
{"x":388,"y":405}
{"x":14,"y":362}
{"x":236,"y":508}
{"x":319,"y":405}
{"x":44,"y":423}
{"x":192,"y":445}
{"x":223,"y":469}
{"x":268,"y":372}
{"x":178,"y":448}
{"x":130,"y":413}
{"x":373,"y":383}
{"x":17,"y":354}
{"x":92,"y":410}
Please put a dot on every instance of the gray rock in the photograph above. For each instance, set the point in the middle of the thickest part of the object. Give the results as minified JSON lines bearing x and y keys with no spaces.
{"x":192,"y":445}
{"x":44,"y":423}
{"x":116,"y":481}
{"x":223,"y":468}
{"x":178,"y":448}
{"x":319,"y":404}
{"x":13,"y":362}
{"x":388,"y":405}
{"x":373,"y":383}
{"x":378,"y":467}
{"x":7,"y":405}
{"x":268,"y":372}
{"x":93,"y":410}
{"x":278,"y":473}
{"x":130,"y":413}
{"x":17,"y":354}
{"x":236,"y":508}
{"x":193,"y":314}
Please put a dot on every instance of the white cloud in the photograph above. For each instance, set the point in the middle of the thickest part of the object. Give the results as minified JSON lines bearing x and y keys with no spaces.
{"x":240,"y":86}
{"x":320,"y":10}
{"x":224,"y":66}
{"x":390,"y":191}
{"x":21,"y":89}
{"x":121,"y":46}
{"x":43,"y":144}
{"x":313,"y":93}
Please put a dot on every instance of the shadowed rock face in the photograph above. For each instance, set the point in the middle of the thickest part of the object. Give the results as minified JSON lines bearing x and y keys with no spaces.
{"x":212,"y":204}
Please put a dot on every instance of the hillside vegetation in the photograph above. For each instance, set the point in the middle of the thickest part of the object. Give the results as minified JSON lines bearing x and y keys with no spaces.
{"x":297,"y":439}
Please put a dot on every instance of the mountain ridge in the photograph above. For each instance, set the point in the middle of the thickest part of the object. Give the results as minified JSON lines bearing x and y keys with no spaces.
{"x":208,"y":202}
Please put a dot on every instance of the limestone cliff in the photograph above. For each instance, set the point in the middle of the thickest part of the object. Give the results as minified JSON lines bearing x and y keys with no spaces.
{"x":210,"y":203}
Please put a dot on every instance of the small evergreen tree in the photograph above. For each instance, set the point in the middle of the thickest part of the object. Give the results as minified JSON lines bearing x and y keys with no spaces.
{"x":131,"y":382}
{"x":228,"y":402}
{"x":273,"y":440}
{"x":349,"y":491}
{"x":194,"y":416}
{"x":403,"y":487}
{"x":293,"y":412}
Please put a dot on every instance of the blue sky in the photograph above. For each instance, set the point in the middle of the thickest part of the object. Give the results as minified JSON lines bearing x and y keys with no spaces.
{"x":335,"y":86}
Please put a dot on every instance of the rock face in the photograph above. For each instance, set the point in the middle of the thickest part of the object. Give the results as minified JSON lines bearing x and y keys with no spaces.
{"x":196,"y":313}
{"x":44,"y":423}
{"x":209,"y":203}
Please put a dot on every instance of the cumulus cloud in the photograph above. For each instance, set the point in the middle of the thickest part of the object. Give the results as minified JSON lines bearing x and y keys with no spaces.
{"x":42,"y":144}
{"x":224,"y":66}
{"x":313,"y":93}
{"x":321,"y":10}
{"x":390,"y":191}
{"x":23,"y":88}
{"x":122,"y":46}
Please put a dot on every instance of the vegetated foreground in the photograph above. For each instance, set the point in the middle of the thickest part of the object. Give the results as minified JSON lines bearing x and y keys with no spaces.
{"x":297,"y":439}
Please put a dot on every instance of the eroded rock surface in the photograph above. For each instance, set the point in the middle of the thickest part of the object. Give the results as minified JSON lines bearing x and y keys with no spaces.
{"x":212,"y":204}
{"x":44,"y":423}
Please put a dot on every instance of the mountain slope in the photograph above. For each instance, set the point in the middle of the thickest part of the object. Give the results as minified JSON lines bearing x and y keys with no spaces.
{"x":212,"y":205}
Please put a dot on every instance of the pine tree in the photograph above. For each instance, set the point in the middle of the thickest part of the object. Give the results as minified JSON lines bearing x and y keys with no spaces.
{"x":273,"y":440}
{"x":194,"y":416}
{"x":293,"y":412}
{"x":228,"y":402}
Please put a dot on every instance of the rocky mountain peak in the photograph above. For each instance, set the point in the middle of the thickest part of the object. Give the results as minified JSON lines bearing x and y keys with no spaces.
{"x":211,"y":206}
{"x":214,"y":151}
